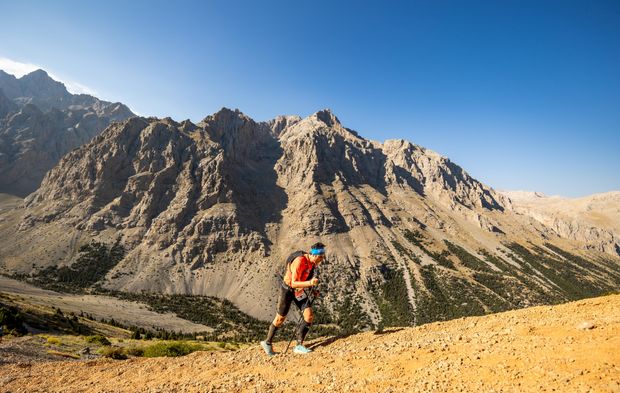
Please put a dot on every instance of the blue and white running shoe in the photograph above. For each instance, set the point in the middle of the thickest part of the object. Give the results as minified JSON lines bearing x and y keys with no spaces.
{"x":267,"y":348}
{"x":300,"y":349}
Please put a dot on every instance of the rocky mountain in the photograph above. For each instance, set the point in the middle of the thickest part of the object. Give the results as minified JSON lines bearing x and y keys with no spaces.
{"x":214,"y":208}
{"x":40,"y":121}
{"x":593,"y":220}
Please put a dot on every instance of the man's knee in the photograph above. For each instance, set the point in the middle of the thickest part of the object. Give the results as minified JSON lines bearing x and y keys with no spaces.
{"x":308,"y":315}
{"x":278,"y":320}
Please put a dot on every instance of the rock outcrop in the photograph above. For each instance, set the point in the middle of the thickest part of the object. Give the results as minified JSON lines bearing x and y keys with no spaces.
{"x":40,"y":121}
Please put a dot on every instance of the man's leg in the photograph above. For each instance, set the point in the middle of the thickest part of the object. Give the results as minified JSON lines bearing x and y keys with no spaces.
{"x":284,"y":304}
{"x":275,"y":325}
{"x":303,"y":328}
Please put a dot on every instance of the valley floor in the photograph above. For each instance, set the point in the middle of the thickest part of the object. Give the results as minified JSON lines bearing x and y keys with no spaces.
{"x":127,"y":312}
{"x":566,"y":348}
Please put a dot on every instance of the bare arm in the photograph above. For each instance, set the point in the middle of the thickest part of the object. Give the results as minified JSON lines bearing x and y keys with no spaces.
{"x":295,"y":283}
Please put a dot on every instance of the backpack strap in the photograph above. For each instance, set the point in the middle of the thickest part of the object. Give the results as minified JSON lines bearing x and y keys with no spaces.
{"x":289,"y":261}
{"x":292,"y":257}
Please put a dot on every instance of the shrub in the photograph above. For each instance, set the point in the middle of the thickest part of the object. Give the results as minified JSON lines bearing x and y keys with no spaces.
{"x":134,"y":351}
{"x":54,"y":341}
{"x":12,"y":320}
{"x":467,"y":259}
{"x":95,"y":260}
{"x":98,"y":339}
{"x":220,"y":314}
{"x":113,"y":353}
{"x":441,"y":258}
{"x":171,"y":349}
{"x":569,"y":276}
{"x":392,"y":299}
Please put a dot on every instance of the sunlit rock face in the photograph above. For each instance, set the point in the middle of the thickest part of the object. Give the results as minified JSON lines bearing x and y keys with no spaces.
{"x":214,"y":208}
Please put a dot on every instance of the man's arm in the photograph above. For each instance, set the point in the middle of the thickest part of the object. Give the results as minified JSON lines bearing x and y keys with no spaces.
{"x":295,"y":283}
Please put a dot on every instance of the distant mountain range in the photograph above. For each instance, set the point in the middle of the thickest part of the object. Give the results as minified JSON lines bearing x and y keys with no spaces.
{"x":40,"y":121}
{"x":593,"y":220}
{"x":215,"y":207}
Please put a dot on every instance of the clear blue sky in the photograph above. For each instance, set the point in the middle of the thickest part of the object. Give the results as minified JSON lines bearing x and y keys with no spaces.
{"x":521,"y":94}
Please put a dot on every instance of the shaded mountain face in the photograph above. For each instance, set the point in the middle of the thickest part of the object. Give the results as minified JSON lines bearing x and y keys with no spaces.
{"x":214,"y":208}
{"x":40,"y":121}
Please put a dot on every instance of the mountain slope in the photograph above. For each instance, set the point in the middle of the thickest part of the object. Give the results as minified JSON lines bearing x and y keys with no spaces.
{"x":40,"y":121}
{"x":571,"y":347}
{"x":594,"y":220}
{"x":214,"y":208}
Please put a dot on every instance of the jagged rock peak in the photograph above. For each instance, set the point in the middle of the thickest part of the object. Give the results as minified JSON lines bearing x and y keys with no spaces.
{"x":225,"y":121}
{"x":169,"y":121}
{"x":321,"y":122}
{"x":39,"y":82}
{"x":42,"y":121}
{"x":226,"y":115}
{"x":38,"y":74}
{"x":238,"y":134}
{"x":282,"y":122}
{"x":188,"y":126}
{"x":327,"y":117}
{"x":399,"y":145}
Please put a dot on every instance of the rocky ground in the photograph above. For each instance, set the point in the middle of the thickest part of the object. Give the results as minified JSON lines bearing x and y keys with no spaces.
{"x":24,"y":350}
{"x":566,"y":348}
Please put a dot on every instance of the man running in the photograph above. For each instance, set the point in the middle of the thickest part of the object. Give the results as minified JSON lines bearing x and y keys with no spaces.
{"x":299,"y":276}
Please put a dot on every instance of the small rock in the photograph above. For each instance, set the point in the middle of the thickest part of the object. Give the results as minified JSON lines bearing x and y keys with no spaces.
{"x":586,"y":325}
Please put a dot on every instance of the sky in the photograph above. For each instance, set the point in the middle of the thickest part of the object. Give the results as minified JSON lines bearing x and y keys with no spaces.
{"x":524,"y":95}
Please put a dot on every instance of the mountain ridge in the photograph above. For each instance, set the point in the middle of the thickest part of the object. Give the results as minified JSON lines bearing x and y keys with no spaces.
{"x":40,"y":121}
{"x":212,"y":208}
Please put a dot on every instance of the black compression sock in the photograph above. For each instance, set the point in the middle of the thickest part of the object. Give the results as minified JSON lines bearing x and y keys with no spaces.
{"x":272,"y":331}
{"x":302,"y":330}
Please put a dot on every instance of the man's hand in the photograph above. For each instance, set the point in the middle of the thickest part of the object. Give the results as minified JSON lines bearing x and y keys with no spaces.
{"x":314,"y":281}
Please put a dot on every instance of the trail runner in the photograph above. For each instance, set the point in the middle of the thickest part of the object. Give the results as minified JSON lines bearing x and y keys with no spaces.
{"x":299,"y":276}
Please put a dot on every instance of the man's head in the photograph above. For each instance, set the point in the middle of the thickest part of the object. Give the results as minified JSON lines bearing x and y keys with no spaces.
{"x":317,"y":253}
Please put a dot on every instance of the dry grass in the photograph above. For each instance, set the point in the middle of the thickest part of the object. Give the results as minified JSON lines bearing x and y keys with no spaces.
{"x":54,"y":341}
{"x":63,"y":354}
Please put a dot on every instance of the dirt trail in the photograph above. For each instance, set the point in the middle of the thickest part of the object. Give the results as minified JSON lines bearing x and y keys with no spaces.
{"x":539,"y":349}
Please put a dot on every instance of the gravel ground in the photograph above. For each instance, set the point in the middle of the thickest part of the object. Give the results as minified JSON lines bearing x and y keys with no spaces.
{"x":566,"y":348}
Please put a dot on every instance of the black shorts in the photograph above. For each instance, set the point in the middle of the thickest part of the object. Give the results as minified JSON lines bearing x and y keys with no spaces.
{"x":287,"y":296}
